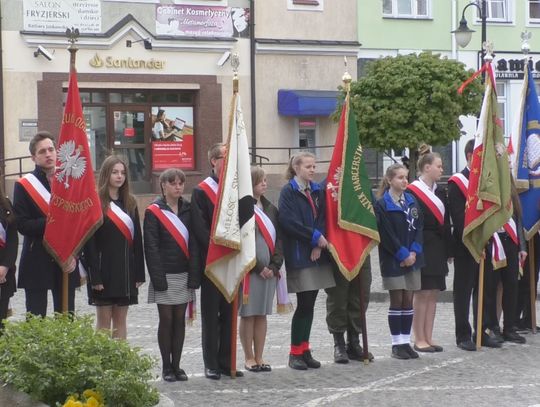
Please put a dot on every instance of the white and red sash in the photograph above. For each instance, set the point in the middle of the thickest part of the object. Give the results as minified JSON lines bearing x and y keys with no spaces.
{"x":498,"y":256}
{"x":428,"y":197}
{"x":461,"y":181}
{"x":37,"y":191}
{"x":267,"y":228}
{"x":210,"y":188}
{"x":174,"y":226}
{"x":511,"y":228}
{"x":3,"y":235}
{"x":122,"y":221}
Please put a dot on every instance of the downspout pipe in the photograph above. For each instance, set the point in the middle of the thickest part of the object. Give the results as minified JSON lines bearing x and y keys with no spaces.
{"x":252,"y":81}
{"x":2,"y":144}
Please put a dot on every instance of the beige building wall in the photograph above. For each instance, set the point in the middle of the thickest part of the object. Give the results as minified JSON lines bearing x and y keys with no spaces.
{"x":307,"y":65}
{"x":337,"y":21}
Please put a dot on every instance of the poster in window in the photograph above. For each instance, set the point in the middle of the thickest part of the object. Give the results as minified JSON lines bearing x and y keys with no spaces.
{"x":172,"y":138}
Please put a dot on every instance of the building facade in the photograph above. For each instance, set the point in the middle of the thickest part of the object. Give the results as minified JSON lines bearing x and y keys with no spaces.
{"x":141,"y":62}
{"x":393,"y":27}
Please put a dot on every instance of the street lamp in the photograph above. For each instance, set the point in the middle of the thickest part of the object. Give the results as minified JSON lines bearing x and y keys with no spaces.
{"x":464,"y":33}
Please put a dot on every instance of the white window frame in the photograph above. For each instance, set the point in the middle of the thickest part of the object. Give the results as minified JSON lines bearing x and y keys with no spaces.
{"x":508,"y":18}
{"x":530,"y":20}
{"x":414,"y":7}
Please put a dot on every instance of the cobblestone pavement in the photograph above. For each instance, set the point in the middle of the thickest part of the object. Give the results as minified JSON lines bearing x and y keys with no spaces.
{"x":496,"y":377}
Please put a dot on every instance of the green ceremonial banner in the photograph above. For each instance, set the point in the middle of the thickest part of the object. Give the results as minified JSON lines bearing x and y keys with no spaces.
{"x":489,"y":204}
{"x":355,"y":201}
{"x":351,"y":226}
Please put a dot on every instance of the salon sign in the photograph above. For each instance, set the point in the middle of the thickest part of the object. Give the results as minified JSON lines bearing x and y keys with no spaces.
{"x":58,"y":15}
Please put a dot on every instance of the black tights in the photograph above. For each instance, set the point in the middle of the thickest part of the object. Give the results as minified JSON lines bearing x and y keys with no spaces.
{"x":171,"y":333}
{"x":401,"y":299}
{"x":303,"y":317}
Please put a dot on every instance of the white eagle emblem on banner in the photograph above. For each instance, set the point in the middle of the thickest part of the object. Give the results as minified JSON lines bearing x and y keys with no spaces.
{"x":71,"y":163}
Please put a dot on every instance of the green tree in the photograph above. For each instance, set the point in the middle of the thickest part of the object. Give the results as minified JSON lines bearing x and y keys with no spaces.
{"x":408,"y":100}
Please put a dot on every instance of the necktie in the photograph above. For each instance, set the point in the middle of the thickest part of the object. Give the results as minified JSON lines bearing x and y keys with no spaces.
{"x":310,"y":200}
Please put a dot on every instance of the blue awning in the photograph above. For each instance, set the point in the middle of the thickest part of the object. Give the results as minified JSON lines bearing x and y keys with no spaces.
{"x":307,"y":102}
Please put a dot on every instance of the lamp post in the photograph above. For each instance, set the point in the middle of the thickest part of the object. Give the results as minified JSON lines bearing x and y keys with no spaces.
{"x":464,"y":34}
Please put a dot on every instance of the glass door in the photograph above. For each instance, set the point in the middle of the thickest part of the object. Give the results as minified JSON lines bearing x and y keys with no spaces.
{"x":130,"y":129}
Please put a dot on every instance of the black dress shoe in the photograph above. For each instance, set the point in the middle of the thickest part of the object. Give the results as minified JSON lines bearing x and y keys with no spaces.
{"x":253,"y":368}
{"x":427,"y":349}
{"x":265,"y":367}
{"x":488,"y":342}
{"x":297,"y":362}
{"x":514,"y":337}
{"x":213,"y":374}
{"x":310,"y":362}
{"x":495,"y":334}
{"x":467,"y":345}
{"x":168,"y":375}
{"x":412,"y":353}
{"x":181,"y":376}
{"x":399,"y":352}
{"x":227,"y":372}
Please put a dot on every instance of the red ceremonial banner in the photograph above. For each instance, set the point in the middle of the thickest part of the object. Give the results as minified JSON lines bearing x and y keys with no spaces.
{"x":75,"y":209}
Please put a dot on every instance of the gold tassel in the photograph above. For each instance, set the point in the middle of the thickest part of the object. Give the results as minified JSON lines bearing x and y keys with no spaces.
{"x":479,"y":205}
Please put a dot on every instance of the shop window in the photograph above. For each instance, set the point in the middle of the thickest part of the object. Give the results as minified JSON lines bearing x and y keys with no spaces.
{"x":128,"y":97}
{"x":96,"y":131}
{"x":497,"y":11}
{"x":307,"y":131}
{"x":534,"y":11}
{"x":502,"y":104}
{"x":172,"y":97}
{"x":407,"y":8}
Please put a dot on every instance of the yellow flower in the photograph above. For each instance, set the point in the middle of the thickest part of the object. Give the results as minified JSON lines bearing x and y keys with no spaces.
{"x":92,"y":393}
{"x":73,"y":403}
{"x":92,"y":402}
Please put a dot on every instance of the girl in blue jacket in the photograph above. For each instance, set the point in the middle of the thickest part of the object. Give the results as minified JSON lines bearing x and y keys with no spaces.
{"x":400,"y":225}
{"x":302,"y":220}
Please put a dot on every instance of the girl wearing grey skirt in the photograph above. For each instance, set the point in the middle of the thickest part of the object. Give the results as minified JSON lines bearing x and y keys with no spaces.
{"x":260,"y":283}
{"x":302,"y":220}
{"x":400,"y":225}
{"x":169,"y":251}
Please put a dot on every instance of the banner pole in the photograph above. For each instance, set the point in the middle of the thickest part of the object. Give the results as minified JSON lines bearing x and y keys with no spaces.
{"x":234,"y":329}
{"x":72,"y":35}
{"x":363,"y":321}
{"x":532,"y":284}
{"x":479,"y":330}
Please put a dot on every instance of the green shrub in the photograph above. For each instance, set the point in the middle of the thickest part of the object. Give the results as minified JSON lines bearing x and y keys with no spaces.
{"x":51,"y":358}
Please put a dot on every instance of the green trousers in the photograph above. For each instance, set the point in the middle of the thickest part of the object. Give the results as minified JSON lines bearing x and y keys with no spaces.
{"x":343,"y":300}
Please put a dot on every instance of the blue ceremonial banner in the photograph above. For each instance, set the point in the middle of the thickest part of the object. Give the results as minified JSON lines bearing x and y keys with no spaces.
{"x":524,"y":150}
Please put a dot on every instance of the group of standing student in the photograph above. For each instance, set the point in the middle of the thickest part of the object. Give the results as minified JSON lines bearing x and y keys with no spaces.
{"x":466,"y":271}
{"x":416,"y":246}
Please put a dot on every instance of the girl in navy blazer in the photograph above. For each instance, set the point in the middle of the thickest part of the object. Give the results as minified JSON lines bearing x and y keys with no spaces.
{"x":302,"y":220}
{"x":400,"y":254}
